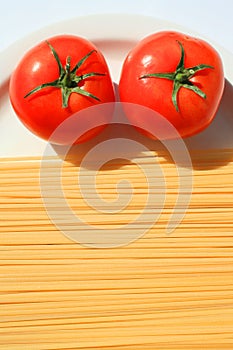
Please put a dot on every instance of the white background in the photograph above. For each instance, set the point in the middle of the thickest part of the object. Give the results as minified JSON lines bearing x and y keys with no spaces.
{"x":210,"y":18}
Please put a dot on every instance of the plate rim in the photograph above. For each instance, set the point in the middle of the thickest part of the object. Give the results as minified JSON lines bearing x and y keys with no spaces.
{"x":20,"y":46}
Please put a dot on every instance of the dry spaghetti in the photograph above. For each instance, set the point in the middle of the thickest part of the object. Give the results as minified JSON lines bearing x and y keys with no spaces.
{"x":159,"y":292}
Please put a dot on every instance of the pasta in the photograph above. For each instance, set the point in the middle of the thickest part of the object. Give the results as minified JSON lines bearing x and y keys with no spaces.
{"x":161,"y":291}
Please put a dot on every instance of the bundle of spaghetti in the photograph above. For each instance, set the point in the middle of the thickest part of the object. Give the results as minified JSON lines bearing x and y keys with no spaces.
{"x":162,"y":291}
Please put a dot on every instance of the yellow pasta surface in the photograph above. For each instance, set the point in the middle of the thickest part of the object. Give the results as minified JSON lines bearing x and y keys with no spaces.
{"x":162,"y":291}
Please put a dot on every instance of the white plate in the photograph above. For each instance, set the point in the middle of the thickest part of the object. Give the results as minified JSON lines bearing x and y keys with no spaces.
{"x":115,"y":35}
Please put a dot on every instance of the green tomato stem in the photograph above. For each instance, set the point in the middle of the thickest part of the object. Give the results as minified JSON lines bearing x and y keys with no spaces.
{"x":68,"y":79}
{"x":181,"y":77}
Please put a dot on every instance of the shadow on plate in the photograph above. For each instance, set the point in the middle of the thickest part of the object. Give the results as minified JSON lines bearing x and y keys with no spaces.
{"x":201,"y":147}
{"x":217,"y":136}
{"x":4,"y":87}
{"x":213,"y":147}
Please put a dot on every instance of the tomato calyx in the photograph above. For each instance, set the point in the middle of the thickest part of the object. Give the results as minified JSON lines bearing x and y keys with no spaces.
{"x":68,"y":80}
{"x":181,"y":77}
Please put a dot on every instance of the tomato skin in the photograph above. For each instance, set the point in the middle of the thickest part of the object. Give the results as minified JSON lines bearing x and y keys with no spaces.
{"x":160,"y":53}
{"x":42,"y":111}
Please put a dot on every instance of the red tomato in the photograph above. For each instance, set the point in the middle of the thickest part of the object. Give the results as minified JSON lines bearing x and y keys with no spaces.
{"x":56,"y":79}
{"x":176,"y":75}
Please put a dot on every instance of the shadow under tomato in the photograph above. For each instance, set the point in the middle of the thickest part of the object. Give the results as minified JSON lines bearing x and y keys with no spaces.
{"x":212,"y":148}
{"x":4,"y":87}
{"x":113,"y":153}
{"x":218,"y":136}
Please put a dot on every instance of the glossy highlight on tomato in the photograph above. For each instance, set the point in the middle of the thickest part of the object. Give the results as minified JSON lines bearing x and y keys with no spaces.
{"x":176,"y":75}
{"x":57,"y":78}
